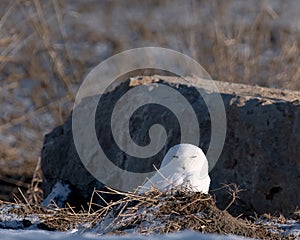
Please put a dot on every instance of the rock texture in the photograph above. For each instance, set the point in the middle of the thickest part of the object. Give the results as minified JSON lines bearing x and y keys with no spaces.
{"x":261,"y":152}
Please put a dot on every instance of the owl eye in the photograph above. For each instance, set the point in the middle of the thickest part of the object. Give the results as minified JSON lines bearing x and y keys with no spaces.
{"x":193,"y":156}
{"x":175,"y":156}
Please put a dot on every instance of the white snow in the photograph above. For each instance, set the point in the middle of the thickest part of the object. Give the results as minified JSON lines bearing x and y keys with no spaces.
{"x":289,"y":227}
{"x":183,"y":164}
{"x":39,"y":234}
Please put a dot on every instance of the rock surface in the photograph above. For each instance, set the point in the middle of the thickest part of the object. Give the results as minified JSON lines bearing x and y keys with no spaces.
{"x":261,"y":153}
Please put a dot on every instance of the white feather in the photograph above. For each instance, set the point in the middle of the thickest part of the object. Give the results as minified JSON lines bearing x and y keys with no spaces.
{"x":183,"y":164}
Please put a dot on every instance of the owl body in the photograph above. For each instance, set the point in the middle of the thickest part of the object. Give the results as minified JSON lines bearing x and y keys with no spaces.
{"x":183,"y":164}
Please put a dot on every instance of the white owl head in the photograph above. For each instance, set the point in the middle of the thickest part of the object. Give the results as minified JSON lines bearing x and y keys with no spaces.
{"x":187,"y":156}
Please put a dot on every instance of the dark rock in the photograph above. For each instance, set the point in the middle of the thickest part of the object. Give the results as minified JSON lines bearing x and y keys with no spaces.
{"x":261,"y":153}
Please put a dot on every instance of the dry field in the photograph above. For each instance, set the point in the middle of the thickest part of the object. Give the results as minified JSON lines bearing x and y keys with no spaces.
{"x":47,"y":47}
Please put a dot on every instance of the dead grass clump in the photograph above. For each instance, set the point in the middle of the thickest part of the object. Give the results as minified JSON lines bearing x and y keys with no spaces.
{"x":154,"y":212}
{"x":54,"y":218}
{"x":181,"y":209}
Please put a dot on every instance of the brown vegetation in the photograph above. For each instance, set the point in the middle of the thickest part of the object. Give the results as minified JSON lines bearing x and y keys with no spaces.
{"x":155,"y":212}
{"x":48,"y":47}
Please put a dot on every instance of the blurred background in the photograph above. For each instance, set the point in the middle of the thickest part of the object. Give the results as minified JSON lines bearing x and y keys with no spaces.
{"x":48,"y":47}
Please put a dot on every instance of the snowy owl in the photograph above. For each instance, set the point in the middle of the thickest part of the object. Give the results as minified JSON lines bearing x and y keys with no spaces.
{"x":183,"y":163}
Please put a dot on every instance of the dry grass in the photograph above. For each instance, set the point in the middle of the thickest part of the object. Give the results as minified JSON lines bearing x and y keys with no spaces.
{"x":59,"y":219}
{"x":154,"y":212}
{"x":34,"y":192}
{"x":39,"y":42}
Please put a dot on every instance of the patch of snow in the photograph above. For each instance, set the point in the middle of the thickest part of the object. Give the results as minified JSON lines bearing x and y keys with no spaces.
{"x":48,"y":235}
{"x":10,"y":220}
{"x":290,"y":227}
{"x":59,"y":195}
{"x":284,"y":227}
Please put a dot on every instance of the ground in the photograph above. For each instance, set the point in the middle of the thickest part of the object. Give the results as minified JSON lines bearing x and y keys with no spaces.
{"x":153,"y":213}
{"x":47,"y":47}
